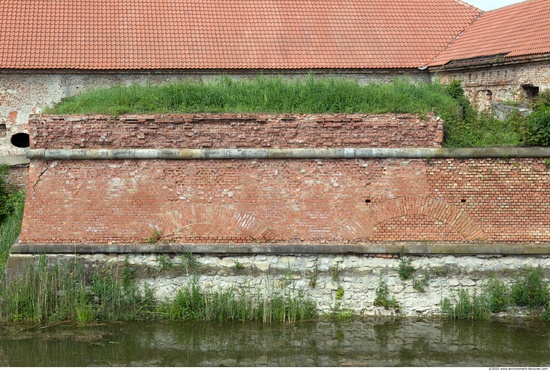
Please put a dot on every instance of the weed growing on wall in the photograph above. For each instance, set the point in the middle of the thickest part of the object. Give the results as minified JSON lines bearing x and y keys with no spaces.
{"x":464,"y":127}
{"x":266,"y":95}
{"x":530,"y":289}
{"x":405,"y":270}
{"x":382,"y":298}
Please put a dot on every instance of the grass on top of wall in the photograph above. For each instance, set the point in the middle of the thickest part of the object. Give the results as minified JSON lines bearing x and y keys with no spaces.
{"x":463,"y":126}
{"x":261,"y":94}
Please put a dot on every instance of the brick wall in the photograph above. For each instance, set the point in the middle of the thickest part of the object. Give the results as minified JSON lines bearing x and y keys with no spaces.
{"x":235,"y":131}
{"x":284,"y":200}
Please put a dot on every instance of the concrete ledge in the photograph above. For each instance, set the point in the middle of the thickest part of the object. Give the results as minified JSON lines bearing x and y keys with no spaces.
{"x":14,"y":160}
{"x":288,"y":249}
{"x":286,"y":153}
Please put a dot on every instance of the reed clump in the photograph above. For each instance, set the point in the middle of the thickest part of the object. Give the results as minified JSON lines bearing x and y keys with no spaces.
{"x":527,"y":290}
{"x":52,"y":293}
{"x":193,"y":303}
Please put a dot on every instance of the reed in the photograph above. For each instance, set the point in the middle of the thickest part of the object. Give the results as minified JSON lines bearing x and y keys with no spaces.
{"x":193,"y":303}
{"x":53,"y":292}
{"x":50,"y":293}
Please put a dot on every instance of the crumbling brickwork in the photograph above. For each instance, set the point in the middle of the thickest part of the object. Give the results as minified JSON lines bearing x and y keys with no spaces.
{"x":235,"y":131}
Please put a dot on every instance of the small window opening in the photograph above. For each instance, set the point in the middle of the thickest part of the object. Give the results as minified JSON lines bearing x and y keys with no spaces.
{"x":463,"y":200}
{"x":20,"y":140}
{"x":531,"y":91}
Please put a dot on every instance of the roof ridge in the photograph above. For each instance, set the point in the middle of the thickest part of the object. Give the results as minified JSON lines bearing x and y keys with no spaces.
{"x":469,"y":5}
{"x":480,"y":13}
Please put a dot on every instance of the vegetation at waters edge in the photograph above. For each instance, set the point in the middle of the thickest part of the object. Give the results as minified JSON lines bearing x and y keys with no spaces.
{"x":51,"y":293}
{"x":528,"y":289}
{"x":464,"y":127}
{"x":12,"y":203}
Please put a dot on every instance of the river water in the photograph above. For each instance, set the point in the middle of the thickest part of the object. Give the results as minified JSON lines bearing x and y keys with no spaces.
{"x":368,"y":342}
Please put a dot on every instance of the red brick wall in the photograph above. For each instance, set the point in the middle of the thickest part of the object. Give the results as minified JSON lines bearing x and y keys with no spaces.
{"x":235,"y":131}
{"x":297,"y":201}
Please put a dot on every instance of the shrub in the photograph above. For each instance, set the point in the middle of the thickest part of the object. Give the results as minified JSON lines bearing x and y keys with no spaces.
{"x":498,"y":295}
{"x":538,"y":128}
{"x":9,"y":198}
{"x":542,"y":102}
{"x":530,"y":289}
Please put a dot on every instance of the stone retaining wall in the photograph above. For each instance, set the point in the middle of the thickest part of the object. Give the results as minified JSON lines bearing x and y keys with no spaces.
{"x":316,"y":276}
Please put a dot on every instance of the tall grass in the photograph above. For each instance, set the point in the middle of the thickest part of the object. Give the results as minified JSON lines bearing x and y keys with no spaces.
{"x":49,"y":293}
{"x":464,"y":126}
{"x":12,"y":203}
{"x":52,"y":293}
{"x":529,"y":290}
{"x":268,"y":95}
{"x":192,"y":303}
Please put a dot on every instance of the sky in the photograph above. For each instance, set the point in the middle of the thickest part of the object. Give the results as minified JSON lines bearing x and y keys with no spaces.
{"x":491,"y":4}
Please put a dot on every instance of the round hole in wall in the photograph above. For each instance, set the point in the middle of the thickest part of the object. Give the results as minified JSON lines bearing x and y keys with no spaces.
{"x":20,"y":140}
{"x":367,"y":201}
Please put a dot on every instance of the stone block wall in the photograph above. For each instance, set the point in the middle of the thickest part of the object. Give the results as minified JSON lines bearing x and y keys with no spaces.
{"x":498,"y":83}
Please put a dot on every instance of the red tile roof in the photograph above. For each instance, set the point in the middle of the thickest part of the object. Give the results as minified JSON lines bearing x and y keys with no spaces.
{"x":227,"y":34}
{"x":517,"y":30}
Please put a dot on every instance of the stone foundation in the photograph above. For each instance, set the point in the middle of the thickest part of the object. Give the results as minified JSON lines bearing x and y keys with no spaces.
{"x":335,"y":282}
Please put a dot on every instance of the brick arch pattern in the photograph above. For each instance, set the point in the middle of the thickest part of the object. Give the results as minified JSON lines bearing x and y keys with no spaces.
{"x":362,"y":226}
{"x":205,"y":223}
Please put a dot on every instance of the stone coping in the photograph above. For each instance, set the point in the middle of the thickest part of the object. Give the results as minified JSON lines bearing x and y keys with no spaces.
{"x":285,"y":153}
{"x":14,"y":160}
{"x":288,"y":249}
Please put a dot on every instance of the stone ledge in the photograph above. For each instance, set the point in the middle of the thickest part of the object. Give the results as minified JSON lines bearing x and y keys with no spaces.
{"x":288,"y":249}
{"x":285,"y":153}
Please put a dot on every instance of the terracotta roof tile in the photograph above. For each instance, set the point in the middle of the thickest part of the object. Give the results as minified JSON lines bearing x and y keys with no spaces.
{"x":227,"y":34}
{"x":515,"y":30}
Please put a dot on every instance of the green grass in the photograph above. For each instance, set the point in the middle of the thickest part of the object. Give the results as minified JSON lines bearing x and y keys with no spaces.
{"x":193,"y":303}
{"x":12,"y":203}
{"x":61,"y":292}
{"x":266,"y":95}
{"x":529,"y":290}
{"x":464,"y":127}
{"x":9,"y":231}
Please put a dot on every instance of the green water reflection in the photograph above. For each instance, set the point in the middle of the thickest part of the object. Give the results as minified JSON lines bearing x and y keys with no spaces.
{"x":369,"y":342}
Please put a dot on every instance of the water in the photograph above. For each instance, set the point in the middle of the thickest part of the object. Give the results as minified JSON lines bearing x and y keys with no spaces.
{"x":369,"y":342}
